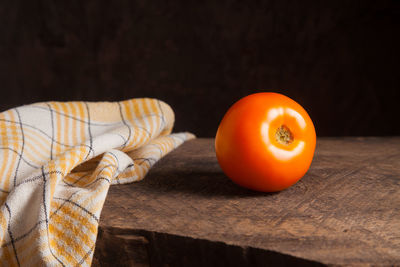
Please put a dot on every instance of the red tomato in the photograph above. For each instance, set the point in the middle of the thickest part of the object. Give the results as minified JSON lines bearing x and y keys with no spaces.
{"x":265,"y":142}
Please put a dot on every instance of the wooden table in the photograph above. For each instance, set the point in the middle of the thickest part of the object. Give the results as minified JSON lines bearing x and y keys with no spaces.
{"x":186,"y":212}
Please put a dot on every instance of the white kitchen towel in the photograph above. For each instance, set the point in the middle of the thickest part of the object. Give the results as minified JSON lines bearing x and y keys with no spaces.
{"x":58,"y":160}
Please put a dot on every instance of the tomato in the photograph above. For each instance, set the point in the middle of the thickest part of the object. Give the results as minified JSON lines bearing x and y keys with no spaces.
{"x":265,"y":142}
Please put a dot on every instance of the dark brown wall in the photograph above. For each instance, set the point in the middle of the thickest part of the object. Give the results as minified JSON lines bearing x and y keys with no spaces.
{"x":339,"y":59}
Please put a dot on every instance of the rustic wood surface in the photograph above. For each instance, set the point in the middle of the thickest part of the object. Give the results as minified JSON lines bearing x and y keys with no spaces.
{"x":337,"y":58}
{"x":186,"y":212}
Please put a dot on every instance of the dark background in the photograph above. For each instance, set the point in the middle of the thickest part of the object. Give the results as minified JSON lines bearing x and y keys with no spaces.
{"x":339,"y":59}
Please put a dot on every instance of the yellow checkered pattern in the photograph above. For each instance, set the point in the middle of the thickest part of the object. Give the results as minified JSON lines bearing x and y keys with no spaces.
{"x":58,"y":160}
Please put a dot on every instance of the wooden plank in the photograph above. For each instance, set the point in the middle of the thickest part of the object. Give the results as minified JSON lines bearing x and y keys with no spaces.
{"x":339,"y":59}
{"x":346,"y":210}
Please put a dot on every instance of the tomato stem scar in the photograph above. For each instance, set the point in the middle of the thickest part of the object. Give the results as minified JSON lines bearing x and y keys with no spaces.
{"x":283,"y":135}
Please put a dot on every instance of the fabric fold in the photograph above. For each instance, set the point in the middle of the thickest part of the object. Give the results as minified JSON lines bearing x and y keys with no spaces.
{"x":58,"y":160}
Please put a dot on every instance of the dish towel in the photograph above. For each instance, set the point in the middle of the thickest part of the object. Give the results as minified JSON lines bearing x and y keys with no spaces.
{"x":58,"y":160}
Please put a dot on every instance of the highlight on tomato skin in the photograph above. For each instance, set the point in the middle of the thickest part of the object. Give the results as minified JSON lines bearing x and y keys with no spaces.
{"x":265,"y":142}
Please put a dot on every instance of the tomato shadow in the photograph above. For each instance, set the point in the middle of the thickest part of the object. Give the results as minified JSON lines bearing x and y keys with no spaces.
{"x":197,"y":182}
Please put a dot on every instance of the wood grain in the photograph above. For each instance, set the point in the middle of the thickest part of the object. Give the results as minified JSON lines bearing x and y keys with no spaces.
{"x":339,"y":59}
{"x":346,"y":210}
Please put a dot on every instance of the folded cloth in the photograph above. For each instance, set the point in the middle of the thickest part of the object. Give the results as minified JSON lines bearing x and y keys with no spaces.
{"x":58,"y":160}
